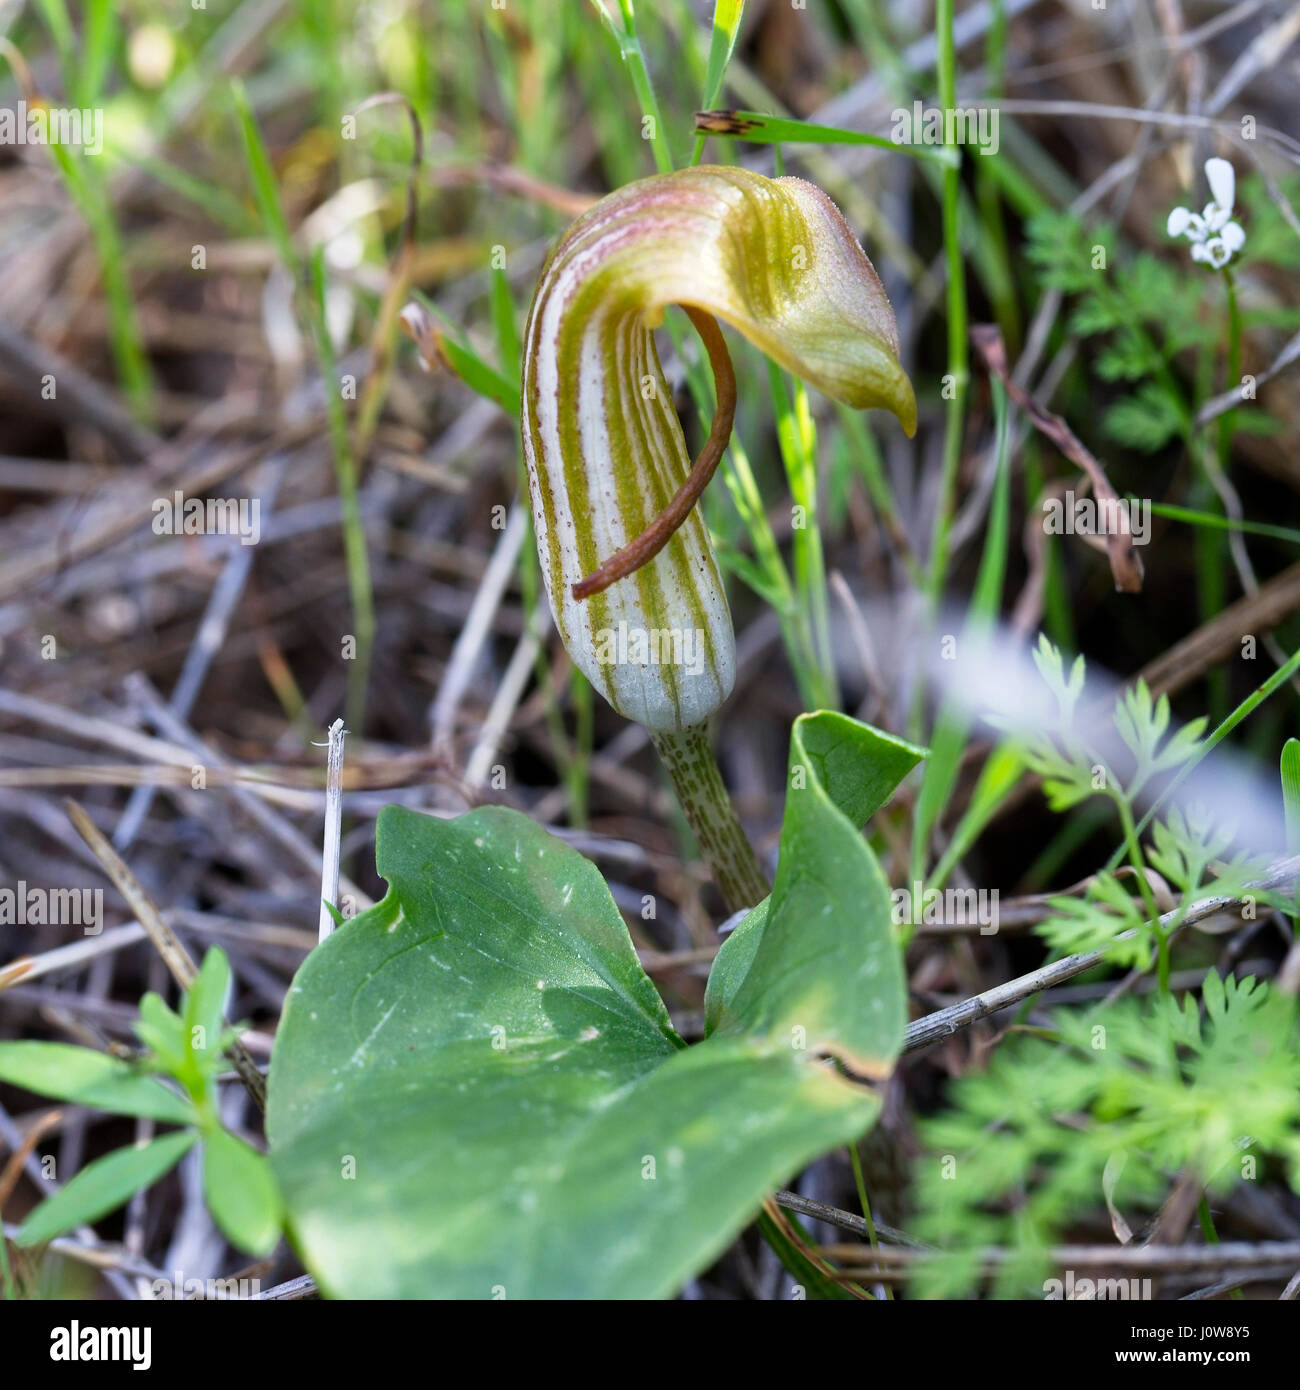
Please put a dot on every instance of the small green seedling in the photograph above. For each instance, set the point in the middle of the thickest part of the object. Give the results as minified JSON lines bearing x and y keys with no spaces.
{"x":186,"y":1048}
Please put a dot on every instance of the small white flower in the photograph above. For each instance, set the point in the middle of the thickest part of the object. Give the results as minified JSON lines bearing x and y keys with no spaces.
{"x":1215,"y":237}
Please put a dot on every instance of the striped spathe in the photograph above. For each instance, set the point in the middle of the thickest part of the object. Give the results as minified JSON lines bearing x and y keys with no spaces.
{"x":603,"y":446}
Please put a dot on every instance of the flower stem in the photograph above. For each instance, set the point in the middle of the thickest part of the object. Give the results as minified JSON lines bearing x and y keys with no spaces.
{"x":1227,"y":419}
{"x":688,"y":756}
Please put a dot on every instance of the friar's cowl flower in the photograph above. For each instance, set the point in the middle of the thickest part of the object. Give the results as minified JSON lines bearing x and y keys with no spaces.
{"x":612,"y":485}
{"x":1215,"y":237}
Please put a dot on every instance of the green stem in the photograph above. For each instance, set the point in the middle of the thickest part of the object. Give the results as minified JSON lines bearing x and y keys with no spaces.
{"x":1247,"y":706}
{"x":688,"y":756}
{"x":1227,"y":419}
{"x":957,"y":354}
{"x":1148,"y":899}
{"x":356,"y":555}
{"x":865,"y":1202}
{"x":629,"y":45}
{"x":1206,"y":1219}
{"x":797,"y":437}
{"x":130,"y":357}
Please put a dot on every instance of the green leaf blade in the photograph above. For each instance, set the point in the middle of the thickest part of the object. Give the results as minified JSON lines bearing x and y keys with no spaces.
{"x":822,"y":957}
{"x":205,"y":1000}
{"x":105,"y":1185}
{"x":82,"y":1076}
{"x":241,"y":1193}
{"x":1291,"y":793}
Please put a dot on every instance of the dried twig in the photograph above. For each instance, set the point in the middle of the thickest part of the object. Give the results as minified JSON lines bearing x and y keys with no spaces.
{"x":165,"y":941}
{"x":933,"y":1028}
{"x":1125,"y":564}
{"x":208,"y":638}
{"x":860,"y":1262}
{"x":1230,"y":399}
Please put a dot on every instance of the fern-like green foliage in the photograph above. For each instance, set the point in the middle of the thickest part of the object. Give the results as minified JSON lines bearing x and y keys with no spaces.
{"x":1190,"y":851}
{"x":1187,"y":848}
{"x":1126,"y":1098}
{"x":1191,"y":854}
{"x":1068,"y":758}
{"x":1143,"y":723}
{"x":1107,"y":918}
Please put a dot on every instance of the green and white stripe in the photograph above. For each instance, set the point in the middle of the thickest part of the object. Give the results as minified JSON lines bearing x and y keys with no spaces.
{"x":604,"y":449}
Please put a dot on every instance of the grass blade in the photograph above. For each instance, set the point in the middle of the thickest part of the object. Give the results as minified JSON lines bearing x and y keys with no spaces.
{"x":105,"y":1185}
{"x":770,"y":130}
{"x":727,"y":15}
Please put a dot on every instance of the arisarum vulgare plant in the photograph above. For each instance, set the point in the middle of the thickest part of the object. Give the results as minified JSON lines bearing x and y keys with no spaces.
{"x":625,"y":552}
{"x":477,"y":1091}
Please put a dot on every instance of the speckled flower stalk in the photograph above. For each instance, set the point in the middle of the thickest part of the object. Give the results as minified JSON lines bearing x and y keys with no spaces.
{"x":625,"y":553}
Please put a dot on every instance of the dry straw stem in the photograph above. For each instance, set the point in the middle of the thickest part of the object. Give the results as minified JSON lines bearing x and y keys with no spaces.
{"x":257,"y":811}
{"x":1228,"y":400}
{"x":168,"y":945}
{"x":304,"y":1286}
{"x":255,"y":938}
{"x":87,"y":1240}
{"x":129,"y":504}
{"x":329,"y":883}
{"x":1220,"y":638}
{"x":29,"y":968}
{"x":208,"y":639}
{"x":845,"y":1220}
{"x":80,"y":396}
{"x":506,"y":701}
{"x":13,"y":1170}
{"x":863,"y":1263}
{"x":476,"y":630}
{"x":506,"y":178}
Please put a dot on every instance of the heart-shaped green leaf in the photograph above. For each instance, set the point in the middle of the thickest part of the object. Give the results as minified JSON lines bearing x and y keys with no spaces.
{"x":820,"y":956}
{"x":476,"y":1091}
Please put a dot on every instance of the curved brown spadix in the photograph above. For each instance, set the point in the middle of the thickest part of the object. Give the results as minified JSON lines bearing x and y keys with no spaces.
{"x":660,"y":531}
{"x":612,"y":486}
